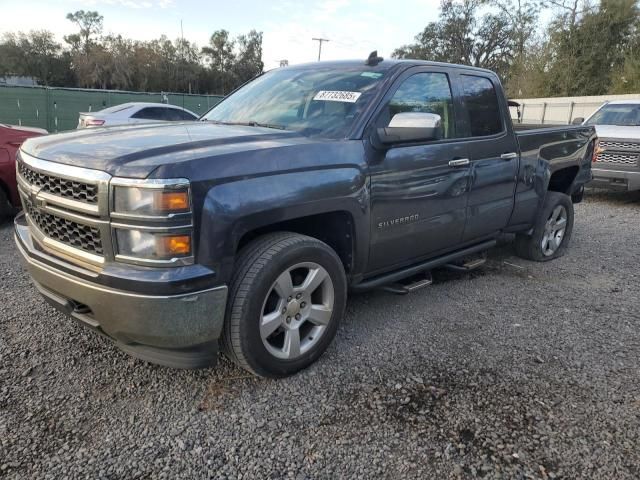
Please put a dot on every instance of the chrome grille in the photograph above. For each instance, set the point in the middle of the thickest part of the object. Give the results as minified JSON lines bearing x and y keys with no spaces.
{"x":619,"y":158}
{"x":59,"y":186}
{"x":612,"y":145}
{"x":65,"y":231}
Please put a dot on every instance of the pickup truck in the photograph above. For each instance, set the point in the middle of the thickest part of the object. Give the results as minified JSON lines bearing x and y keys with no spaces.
{"x":246,"y":230}
{"x":617,"y":164}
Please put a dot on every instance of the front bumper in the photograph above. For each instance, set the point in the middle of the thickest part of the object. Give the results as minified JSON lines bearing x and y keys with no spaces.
{"x":626,"y":180}
{"x":179,"y":331}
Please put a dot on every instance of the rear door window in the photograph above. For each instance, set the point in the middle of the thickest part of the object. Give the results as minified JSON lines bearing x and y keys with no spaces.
{"x":481,"y":101}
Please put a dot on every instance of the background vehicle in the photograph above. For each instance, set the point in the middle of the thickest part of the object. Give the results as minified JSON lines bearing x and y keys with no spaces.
{"x":11,"y":137}
{"x":247,"y":228}
{"x":617,"y":164}
{"x":135,"y":112}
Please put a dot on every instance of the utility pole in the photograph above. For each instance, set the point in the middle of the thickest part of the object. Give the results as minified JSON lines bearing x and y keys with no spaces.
{"x":320,"y":40}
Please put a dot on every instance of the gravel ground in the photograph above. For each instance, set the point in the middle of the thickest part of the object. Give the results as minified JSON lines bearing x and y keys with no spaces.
{"x":518,"y":370}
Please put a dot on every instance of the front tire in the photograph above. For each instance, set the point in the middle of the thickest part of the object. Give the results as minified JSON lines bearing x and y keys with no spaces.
{"x":552,"y":231}
{"x":287,"y":297}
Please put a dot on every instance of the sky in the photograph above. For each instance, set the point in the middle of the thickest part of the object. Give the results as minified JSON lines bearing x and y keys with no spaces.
{"x":354,"y":27}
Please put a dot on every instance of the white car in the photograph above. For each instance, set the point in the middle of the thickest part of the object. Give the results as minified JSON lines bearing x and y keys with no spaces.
{"x":135,"y":112}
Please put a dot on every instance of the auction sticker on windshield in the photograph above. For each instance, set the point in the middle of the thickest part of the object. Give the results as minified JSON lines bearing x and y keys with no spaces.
{"x":337,"y":96}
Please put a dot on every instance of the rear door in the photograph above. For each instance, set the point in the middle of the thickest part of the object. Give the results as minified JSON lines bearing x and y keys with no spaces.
{"x":493,"y":152}
{"x":418,"y":190}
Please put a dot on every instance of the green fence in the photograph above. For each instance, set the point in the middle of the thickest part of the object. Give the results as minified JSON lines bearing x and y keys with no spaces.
{"x":56,"y":109}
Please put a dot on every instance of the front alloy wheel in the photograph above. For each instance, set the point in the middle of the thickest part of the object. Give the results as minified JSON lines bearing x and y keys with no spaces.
{"x":297,"y":310}
{"x":286,"y":299}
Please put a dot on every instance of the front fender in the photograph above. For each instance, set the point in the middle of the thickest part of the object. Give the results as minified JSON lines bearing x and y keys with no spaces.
{"x":233,"y":209}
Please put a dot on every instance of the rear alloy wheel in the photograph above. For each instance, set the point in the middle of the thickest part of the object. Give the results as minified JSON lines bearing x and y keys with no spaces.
{"x":285,"y":302}
{"x":552,"y":231}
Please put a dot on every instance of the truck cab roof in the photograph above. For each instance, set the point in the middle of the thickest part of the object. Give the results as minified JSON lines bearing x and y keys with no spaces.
{"x":384,"y":65}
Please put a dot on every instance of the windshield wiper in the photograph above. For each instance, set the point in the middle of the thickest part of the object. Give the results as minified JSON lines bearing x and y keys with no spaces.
{"x":250,"y":123}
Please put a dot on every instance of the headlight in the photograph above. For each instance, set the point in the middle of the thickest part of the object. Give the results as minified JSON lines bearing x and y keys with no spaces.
{"x":157,"y":198}
{"x":152,"y":221}
{"x":156,"y":246}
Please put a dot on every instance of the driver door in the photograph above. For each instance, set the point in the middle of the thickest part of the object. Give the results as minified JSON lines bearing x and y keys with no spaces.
{"x":419,"y":190}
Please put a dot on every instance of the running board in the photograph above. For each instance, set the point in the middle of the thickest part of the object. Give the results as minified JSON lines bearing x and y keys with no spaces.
{"x":467,"y":266}
{"x":397,"y":275}
{"x":411,"y":284}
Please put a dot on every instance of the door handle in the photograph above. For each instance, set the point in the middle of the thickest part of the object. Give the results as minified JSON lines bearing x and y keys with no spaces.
{"x":509,"y":156}
{"x":459,"y":162}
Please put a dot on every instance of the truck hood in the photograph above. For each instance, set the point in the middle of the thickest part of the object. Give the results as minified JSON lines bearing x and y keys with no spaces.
{"x":617,"y":131}
{"x":135,"y":151}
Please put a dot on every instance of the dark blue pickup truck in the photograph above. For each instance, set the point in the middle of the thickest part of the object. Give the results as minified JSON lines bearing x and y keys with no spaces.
{"x":244,"y":231}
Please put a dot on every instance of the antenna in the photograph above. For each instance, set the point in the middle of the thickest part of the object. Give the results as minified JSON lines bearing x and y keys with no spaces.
{"x":182,"y":55}
{"x":373,"y":59}
{"x":320,"y":40}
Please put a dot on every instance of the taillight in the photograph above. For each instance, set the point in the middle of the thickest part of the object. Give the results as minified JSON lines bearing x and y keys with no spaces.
{"x":93,"y":122}
{"x":597,"y":150}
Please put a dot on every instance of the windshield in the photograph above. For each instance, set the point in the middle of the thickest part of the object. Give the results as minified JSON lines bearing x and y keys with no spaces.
{"x":617,"y":114}
{"x":318,"y":102}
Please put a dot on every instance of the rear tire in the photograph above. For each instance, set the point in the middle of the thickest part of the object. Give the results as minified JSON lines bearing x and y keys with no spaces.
{"x":286,"y":299}
{"x":552,"y":231}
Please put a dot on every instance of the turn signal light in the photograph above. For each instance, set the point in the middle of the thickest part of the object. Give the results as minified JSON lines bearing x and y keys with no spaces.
{"x":597,"y":150}
{"x":173,"y":245}
{"x":171,"y":201}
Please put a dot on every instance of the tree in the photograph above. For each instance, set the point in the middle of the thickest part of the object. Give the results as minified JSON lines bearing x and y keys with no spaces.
{"x":220,"y":56}
{"x":248,"y":62}
{"x":94,"y":60}
{"x":35,"y":54}
{"x":587,"y":44}
{"x":89,"y":23}
{"x":463,"y":35}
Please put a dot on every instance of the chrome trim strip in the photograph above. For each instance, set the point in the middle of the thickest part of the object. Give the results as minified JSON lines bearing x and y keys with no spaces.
{"x":148,"y":228}
{"x":155,"y":183}
{"x":90,"y":208}
{"x":53,"y":246}
{"x":152,"y":218}
{"x":173,"y":262}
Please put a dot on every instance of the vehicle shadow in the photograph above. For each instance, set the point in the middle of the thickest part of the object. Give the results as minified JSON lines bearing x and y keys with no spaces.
{"x":618,"y":198}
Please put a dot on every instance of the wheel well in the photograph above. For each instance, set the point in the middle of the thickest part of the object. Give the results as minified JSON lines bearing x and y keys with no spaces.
{"x":336,"y":229}
{"x":562,"y":180}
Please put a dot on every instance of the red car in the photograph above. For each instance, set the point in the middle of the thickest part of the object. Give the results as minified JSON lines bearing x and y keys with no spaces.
{"x":11,"y":137}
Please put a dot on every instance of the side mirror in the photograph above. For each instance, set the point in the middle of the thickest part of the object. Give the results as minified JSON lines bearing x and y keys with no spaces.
{"x":578,"y":121}
{"x":411,"y":127}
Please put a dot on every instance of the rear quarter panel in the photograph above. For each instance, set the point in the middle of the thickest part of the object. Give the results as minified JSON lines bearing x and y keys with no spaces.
{"x":545,"y":151}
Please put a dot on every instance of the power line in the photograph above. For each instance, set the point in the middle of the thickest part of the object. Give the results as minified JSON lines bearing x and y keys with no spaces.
{"x":320,"y":40}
